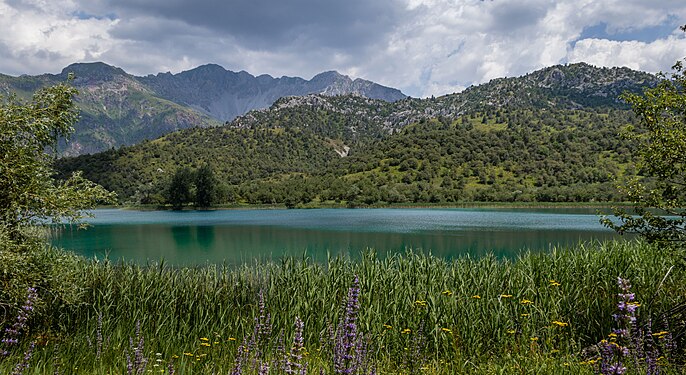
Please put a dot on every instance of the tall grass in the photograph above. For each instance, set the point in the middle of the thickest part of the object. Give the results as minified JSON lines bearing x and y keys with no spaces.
{"x":536,"y":313}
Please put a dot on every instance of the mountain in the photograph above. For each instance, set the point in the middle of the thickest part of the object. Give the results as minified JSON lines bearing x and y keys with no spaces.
{"x":121,"y":109}
{"x":552,"y":135}
{"x":224,"y":95}
{"x":115,"y":108}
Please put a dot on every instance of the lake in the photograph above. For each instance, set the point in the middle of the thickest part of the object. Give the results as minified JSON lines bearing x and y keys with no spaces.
{"x":237,"y":236}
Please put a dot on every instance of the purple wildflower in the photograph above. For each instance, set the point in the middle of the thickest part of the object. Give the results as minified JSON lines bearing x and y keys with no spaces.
{"x":13,"y":332}
{"x":346,"y":341}
{"x":24,"y":364}
{"x":294,"y":362}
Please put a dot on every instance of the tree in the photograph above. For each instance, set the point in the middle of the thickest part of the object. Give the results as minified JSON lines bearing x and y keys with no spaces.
{"x":179,"y":193}
{"x":205,"y":187}
{"x":29,"y":132}
{"x":659,"y":197}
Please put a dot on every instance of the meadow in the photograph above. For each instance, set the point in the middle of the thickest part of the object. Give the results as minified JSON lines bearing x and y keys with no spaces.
{"x":412,"y":313}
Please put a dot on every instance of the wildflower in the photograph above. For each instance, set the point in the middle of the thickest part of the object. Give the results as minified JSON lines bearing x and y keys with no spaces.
{"x":534,"y":339}
{"x":447,"y":293}
{"x":526,"y":302}
{"x":204,"y":339}
{"x":206,"y":344}
{"x":506,"y":296}
{"x":188,"y":354}
{"x":660,"y":334}
{"x":525,"y":315}
{"x":13,"y":332}
{"x":387,"y":326}
{"x":554,"y":283}
{"x":406,"y":331}
{"x":476,"y":296}
{"x":420,"y":303}
{"x":447,"y":330}
{"x":511,"y":331}
{"x":232,"y":339}
{"x":560,"y":324}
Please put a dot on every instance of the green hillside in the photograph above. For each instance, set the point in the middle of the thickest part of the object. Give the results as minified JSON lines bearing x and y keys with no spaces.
{"x":553,"y":135}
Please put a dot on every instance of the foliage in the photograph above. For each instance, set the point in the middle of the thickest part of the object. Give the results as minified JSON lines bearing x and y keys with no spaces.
{"x":205,"y":187}
{"x":30,"y":194}
{"x":660,"y":197}
{"x":468,"y":311}
{"x":179,"y":190}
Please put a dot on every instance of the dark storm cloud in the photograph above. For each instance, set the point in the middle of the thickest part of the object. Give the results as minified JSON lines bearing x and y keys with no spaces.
{"x":271,"y":24}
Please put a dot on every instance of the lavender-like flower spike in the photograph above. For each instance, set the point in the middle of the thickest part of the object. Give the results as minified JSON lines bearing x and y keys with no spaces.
{"x":13,"y":332}
{"x":346,"y":341}
{"x":24,"y":364}
{"x":294,"y":362}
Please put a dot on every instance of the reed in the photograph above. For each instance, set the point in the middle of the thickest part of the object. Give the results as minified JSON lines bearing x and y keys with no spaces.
{"x":415,"y":313}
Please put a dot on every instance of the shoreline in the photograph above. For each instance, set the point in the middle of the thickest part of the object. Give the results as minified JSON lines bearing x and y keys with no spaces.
{"x":333,"y":205}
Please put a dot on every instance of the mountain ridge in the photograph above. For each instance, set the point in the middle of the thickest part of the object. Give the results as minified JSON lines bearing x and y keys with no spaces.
{"x":120,"y":109}
{"x":550,"y":135}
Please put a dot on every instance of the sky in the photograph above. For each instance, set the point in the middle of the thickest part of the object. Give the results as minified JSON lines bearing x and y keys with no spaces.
{"x":422,"y":47}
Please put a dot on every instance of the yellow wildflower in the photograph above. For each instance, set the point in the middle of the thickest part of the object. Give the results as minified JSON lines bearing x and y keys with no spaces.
{"x":534,"y":339}
{"x":206,"y":344}
{"x":660,"y":334}
{"x":188,"y":354}
{"x":420,"y":303}
{"x":447,"y":330}
{"x":506,"y":296}
{"x":511,"y":331}
{"x":447,"y":293}
{"x":476,"y":296}
{"x":387,"y":326}
{"x":525,"y":315}
{"x":560,"y":324}
{"x":232,"y":339}
{"x":406,"y":331}
{"x":526,"y":302}
{"x":554,"y":283}
{"x":204,"y":339}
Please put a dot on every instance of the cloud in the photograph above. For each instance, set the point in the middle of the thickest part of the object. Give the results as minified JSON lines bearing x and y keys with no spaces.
{"x":424,"y":47}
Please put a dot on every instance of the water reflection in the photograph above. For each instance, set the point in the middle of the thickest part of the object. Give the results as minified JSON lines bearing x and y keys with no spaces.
{"x":233,"y":243}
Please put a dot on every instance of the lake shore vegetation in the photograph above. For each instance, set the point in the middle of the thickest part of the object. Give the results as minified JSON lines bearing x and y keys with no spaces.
{"x":384,"y":313}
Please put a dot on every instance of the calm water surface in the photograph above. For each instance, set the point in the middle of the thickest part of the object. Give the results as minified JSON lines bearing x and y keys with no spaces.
{"x":236,"y":236}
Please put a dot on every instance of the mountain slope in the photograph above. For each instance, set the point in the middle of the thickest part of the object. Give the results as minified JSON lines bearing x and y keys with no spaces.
{"x":547,"y":136}
{"x":224,"y":95}
{"x":121,"y":109}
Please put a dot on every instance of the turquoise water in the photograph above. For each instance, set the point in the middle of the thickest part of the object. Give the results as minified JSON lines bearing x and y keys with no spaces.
{"x":237,"y":236}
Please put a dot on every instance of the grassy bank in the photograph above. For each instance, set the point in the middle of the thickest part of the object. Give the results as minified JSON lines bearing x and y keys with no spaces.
{"x":542,"y":313}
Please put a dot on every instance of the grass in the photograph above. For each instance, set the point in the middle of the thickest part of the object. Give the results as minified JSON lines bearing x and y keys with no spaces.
{"x":536,"y":314}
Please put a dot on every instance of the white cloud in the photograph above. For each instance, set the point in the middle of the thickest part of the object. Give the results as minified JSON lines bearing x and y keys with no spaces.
{"x":424,"y":47}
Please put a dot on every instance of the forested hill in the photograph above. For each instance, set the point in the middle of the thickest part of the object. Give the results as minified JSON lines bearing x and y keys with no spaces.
{"x":552,"y":135}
